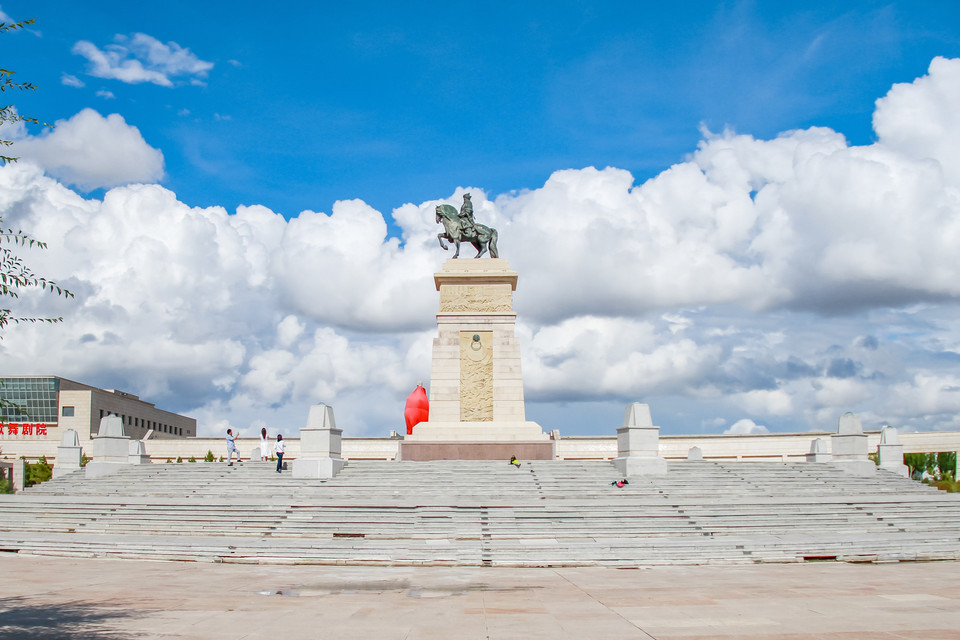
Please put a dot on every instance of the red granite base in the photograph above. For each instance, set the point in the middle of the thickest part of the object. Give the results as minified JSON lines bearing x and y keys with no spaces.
{"x":450,"y":450}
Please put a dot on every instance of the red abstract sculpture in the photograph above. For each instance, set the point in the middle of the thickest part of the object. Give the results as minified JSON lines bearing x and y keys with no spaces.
{"x":417,"y":409}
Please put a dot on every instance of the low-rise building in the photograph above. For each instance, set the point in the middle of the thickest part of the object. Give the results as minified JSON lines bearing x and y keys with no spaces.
{"x":42,"y":407}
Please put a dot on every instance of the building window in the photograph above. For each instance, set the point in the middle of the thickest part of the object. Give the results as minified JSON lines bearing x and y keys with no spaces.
{"x":66,"y":412}
{"x":36,"y":396}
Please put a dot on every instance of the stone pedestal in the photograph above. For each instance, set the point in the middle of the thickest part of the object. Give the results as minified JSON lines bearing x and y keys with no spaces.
{"x":819,"y":451}
{"x":319,"y":445}
{"x":890,"y":452}
{"x":68,"y":454}
{"x":476,"y":385}
{"x":849,"y":447}
{"x":638,"y":444}
{"x":467,"y":450}
{"x":695,"y":454}
{"x":111,"y":448}
{"x":137,"y":453}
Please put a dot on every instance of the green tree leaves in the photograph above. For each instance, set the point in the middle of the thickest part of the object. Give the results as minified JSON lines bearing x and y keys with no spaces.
{"x":14,"y":274}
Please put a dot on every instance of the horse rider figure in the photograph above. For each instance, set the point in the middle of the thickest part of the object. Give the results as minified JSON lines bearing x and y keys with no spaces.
{"x":460,"y":227}
{"x":467,"y":228}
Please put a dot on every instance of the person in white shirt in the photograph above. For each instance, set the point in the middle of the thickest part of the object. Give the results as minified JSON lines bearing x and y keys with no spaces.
{"x":279,"y":448}
{"x":264,"y":444}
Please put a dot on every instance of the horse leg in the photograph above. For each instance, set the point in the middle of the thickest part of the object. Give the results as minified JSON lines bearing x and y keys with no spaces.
{"x":492,"y":243}
{"x":457,"y":243}
{"x":480,"y":247}
{"x":440,"y":237}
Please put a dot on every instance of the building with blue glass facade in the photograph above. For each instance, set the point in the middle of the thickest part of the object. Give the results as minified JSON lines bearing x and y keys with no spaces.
{"x":42,"y":407}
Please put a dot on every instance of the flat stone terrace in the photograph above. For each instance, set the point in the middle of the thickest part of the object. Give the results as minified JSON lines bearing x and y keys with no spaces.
{"x":483,"y":513}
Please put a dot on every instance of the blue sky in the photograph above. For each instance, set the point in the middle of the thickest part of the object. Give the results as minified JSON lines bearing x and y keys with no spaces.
{"x":742,"y":213}
{"x":315,"y":102}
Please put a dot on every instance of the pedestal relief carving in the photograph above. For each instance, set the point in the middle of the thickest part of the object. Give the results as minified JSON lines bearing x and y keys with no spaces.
{"x":475,"y":299}
{"x":476,"y":376}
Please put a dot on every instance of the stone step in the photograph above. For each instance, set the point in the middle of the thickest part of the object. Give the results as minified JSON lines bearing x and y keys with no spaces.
{"x":485,"y":513}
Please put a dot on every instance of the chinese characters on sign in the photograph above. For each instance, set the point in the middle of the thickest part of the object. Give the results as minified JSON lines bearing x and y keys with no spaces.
{"x":26,"y":429}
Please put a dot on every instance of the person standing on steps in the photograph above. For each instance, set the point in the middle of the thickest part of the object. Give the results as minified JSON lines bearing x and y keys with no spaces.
{"x":264,"y":444}
{"x":279,"y":448}
{"x":232,"y":448}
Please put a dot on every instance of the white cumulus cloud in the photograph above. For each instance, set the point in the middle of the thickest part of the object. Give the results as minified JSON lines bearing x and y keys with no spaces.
{"x":918,"y":119}
{"x":746,"y":426}
{"x":92,"y":151}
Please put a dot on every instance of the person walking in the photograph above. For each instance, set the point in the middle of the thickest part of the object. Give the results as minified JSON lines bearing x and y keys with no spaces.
{"x":264,"y":444}
{"x":279,"y":448}
{"x":232,"y":448}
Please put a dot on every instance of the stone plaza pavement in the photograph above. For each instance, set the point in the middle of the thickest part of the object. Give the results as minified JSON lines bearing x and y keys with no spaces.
{"x":93,"y":598}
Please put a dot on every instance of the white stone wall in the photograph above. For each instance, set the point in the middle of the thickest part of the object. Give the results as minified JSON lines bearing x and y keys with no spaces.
{"x":781,"y":446}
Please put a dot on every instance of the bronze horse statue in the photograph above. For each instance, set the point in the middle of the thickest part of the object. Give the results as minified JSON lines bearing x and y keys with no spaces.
{"x":458,"y":229}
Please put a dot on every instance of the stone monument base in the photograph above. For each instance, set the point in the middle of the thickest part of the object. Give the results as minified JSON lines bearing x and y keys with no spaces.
{"x":493,"y":431}
{"x":97,"y":469}
{"x":856,"y":467}
{"x":317,"y":468}
{"x":641,"y":466}
{"x":421,"y":451}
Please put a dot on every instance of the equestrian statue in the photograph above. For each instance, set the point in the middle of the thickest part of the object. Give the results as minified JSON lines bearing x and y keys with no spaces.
{"x":460,"y":227}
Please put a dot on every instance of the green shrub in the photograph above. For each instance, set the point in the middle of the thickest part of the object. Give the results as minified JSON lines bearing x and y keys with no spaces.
{"x":947,"y":463}
{"x":938,"y":465}
{"x":191,"y":459}
{"x":179,"y":459}
{"x":41,"y":471}
{"x":945,"y":484}
{"x":209,"y":456}
{"x":6,"y":486}
{"x":920,"y":463}
{"x":169,"y":460}
{"x":84,"y":459}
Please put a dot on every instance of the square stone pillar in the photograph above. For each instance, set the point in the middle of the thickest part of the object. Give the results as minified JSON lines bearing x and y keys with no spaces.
{"x":890,"y":452}
{"x":638,"y":444}
{"x":19,"y":474}
{"x":476,"y":384}
{"x":819,"y":451}
{"x":319,"y":445}
{"x":850,"y":447}
{"x":68,"y":454}
{"x":111,"y":448}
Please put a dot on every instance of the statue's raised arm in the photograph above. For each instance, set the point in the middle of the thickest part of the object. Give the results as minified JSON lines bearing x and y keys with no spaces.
{"x":461,"y":227}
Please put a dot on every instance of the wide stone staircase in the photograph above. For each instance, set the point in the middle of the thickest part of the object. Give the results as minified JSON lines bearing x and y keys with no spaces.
{"x":547,"y":513}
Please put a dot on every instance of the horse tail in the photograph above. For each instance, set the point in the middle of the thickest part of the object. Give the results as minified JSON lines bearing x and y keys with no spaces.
{"x":493,"y":244}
